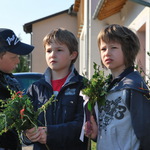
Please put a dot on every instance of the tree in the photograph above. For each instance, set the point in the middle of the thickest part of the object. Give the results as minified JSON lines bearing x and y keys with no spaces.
{"x":23,"y":66}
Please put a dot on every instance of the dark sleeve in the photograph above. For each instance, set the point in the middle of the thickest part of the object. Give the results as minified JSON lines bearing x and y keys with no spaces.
{"x":10,"y":140}
{"x":140,"y":114}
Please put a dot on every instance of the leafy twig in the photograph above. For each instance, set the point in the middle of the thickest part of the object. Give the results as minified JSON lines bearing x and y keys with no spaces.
{"x":19,"y":112}
{"x":96,"y":87}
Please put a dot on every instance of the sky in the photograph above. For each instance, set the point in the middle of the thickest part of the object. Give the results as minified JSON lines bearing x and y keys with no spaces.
{"x":15,"y":13}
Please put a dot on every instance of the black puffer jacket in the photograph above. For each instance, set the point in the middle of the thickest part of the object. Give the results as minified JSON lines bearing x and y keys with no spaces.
{"x":8,"y":140}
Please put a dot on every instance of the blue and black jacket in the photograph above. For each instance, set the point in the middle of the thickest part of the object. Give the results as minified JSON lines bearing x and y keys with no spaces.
{"x":65,"y":116}
{"x":124,"y":122}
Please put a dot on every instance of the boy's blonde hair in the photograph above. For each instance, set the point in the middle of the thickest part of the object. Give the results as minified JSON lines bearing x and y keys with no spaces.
{"x":62,"y":36}
{"x":127,"y":38}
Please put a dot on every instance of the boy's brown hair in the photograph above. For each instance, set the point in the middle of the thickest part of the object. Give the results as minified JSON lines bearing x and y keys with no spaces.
{"x":127,"y":38}
{"x":62,"y":36}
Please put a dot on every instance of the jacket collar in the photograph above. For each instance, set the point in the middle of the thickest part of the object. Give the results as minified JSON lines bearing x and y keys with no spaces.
{"x":48,"y":71}
{"x":120,"y":77}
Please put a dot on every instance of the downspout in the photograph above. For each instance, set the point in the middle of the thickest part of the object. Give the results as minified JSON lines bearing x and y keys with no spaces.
{"x":31,"y":54}
{"x":87,"y":36}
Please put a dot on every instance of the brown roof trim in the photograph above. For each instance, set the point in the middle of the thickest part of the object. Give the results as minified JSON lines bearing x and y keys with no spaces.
{"x":28,"y":26}
{"x":76,"y":5}
{"x":109,"y":8}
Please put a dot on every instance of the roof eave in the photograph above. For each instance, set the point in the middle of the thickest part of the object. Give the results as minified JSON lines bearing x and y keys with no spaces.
{"x":28,"y":26}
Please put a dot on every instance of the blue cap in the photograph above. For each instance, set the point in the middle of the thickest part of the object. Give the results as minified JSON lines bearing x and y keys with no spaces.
{"x":9,"y":42}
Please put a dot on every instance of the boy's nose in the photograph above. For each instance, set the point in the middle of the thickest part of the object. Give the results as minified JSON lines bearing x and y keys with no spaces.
{"x":108,"y":51}
{"x":52,"y":52}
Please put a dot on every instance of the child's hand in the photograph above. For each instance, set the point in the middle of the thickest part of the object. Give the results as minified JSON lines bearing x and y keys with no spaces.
{"x":37,"y":135}
{"x":33,"y":134}
{"x":91,"y":128}
{"x":88,"y":129}
{"x":43,"y":135}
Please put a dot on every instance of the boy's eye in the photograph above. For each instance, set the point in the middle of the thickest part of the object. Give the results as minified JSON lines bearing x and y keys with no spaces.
{"x":113,"y":47}
{"x":59,"y":50}
{"x":49,"y":51}
{"x":103,"y":49}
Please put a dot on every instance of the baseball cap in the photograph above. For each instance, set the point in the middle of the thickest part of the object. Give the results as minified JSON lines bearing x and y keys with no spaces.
{"x":9,"y":42}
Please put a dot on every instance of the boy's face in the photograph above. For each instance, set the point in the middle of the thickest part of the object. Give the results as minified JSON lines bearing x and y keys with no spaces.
{"x":8,"y":62}
{"x":58,"y":57}
{"x":112,"y":56}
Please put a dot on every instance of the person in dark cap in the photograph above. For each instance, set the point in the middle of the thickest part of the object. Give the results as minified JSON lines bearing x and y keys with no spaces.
{"x":10,"y":49}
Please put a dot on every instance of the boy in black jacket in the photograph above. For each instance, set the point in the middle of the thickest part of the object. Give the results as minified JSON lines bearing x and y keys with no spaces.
{"x":60,"y":127}
{"x":10,"y":48}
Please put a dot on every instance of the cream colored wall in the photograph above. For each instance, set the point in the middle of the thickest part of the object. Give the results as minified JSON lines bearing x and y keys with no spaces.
{"x":138,"y":22}
{"x":40,"y":29}
{"x":89,"y":52}
{"x":137,"y":18}
{"x":141,"y":56}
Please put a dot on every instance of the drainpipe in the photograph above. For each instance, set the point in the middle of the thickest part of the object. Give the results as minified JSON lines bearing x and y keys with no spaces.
{"x":87,"y":36}
{"x":30,"y":55}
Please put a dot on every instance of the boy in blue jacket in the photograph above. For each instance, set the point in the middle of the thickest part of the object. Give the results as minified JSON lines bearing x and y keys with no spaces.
{"x":124,"y":120}
{"x":61,"y":127}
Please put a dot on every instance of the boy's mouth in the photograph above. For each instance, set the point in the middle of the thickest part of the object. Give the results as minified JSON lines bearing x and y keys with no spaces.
{"x":108,"y":60}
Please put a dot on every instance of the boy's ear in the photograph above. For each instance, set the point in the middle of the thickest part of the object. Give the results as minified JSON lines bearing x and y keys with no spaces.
{"x":74,"y":55}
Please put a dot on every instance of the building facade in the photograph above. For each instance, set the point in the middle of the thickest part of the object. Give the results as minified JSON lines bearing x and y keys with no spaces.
{"x":92,"y":15}
{"x":87,"y":19}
